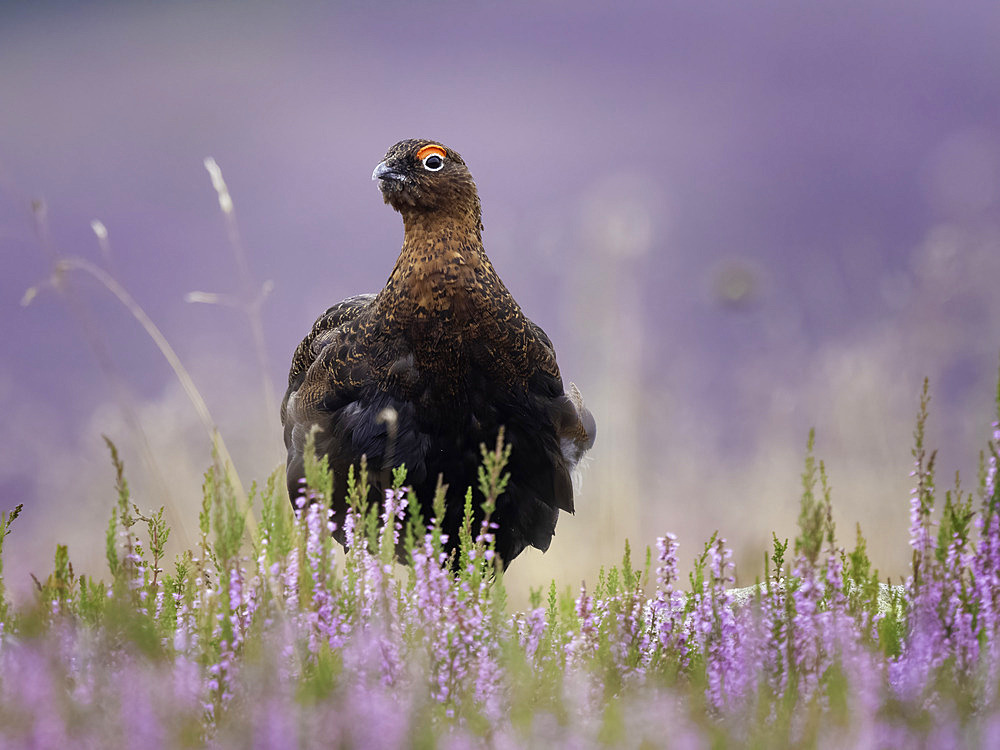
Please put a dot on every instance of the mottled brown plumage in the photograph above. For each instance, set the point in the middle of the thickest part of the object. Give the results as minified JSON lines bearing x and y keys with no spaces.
{"x":432,"y":366}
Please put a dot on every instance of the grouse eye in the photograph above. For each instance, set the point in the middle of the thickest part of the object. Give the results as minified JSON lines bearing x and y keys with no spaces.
{"x":432,"y":157}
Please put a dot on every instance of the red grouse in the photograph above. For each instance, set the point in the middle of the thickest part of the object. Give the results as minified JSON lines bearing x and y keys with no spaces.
{"x":431,"y":367}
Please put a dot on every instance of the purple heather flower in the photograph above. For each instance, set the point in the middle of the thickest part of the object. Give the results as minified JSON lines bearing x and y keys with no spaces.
{"x":530,"y":632}
{"x":808,"y":654}
{"x":774,"y":621}
{"x":925,"y":647}
{"x":158,"y":600}
{"x":350,"y":526}
{"x":632,"y":636}
{"x":991,"y":464}
{"x":583,"y":643}
{"x":668,"y":615}
{"x":393,"y":512}
{"x":957,"y":620}
{"x":489,"y":679}
{"x":986,"y":577}
{"x":301,"y":498}
{"x":717,"y":631}
{"x":921,"y":539}
{"x":666,"y":570}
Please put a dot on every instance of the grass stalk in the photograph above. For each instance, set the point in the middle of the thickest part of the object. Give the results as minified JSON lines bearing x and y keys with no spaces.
{"x":64,"y":265}
{"x":91,"y":333}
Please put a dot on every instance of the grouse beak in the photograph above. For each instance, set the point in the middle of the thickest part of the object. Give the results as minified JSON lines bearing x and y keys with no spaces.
{"x":384,"y":172}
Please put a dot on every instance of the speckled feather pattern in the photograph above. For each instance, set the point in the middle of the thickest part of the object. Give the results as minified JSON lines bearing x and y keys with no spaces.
{"x":433,"y":365}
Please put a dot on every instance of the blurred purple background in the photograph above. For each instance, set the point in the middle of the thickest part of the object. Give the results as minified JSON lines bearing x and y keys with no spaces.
{"x":735,"y":221}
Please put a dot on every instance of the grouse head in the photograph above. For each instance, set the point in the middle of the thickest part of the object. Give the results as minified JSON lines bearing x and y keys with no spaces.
{"x":418,"y":176}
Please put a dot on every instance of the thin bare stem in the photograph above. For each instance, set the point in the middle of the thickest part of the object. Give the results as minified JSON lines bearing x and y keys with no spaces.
{"x":66,"y":264}
{"x":101,"y":232}
{"x":91,"y":332}
{"x":252,"y":296}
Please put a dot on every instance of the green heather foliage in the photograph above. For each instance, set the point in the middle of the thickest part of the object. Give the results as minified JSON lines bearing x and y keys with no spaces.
{"x":270,"y":634}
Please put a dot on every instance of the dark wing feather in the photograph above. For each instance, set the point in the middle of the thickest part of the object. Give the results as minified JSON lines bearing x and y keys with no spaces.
{"x":548,"y":431}
{"x":315,"y":379}
{"x":323,"y":331}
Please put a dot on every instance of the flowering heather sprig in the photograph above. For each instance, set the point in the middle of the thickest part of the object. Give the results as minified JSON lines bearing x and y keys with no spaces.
{"x":986,"y":563}
{"x":666,"y":569}
{"x":990,"y":479}
{"x":288,"y":576}
{"x":435,"y":600}
{"x":986,"y":596}
{"x":383,"y":588}
{"x":243,"y":599}
{"x":351,"y":540}
{"x":957,"y":615}
{"x":484,"y":542}
{"x":775,"y":605}
{"x":531,"y":627}
{"x":393,"y":514}
{"x":921,"y":497}
{"x":716,"y":630}
{"x":322,"y":616}
{"x":808,"y":656}
{"x":924,"y":650}
{"x":632,"y":636}
{"x":489,"y":681}
{"x":921,"y":539}
{"x":583,"y":644}
{"x":668,"y":608}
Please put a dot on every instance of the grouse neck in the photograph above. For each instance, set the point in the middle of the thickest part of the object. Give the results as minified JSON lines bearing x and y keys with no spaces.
{"x":440,"y":270}
{"x":440,"y":226}
{"x":435,"y":242}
